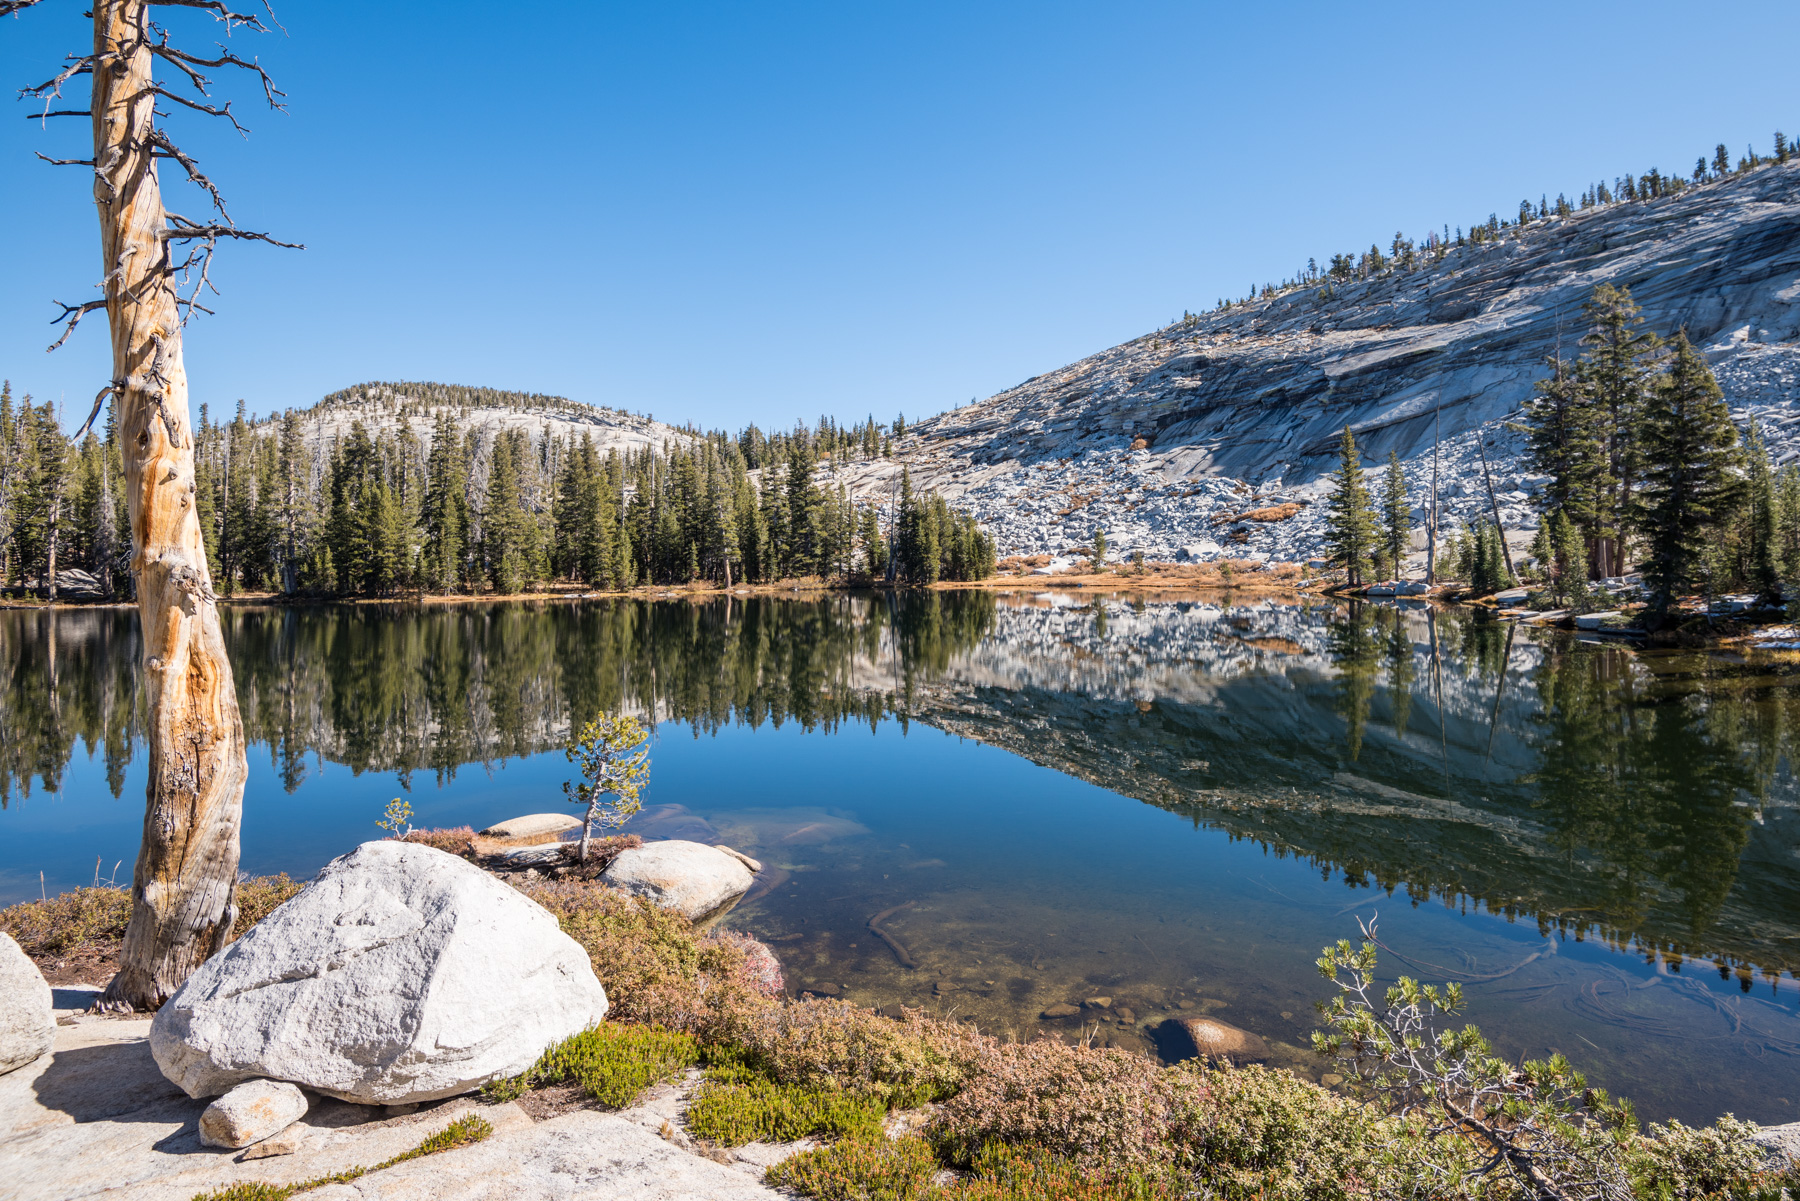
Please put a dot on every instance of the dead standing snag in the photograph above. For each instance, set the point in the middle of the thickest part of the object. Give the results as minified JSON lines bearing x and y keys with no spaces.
{"x":185,"y":884}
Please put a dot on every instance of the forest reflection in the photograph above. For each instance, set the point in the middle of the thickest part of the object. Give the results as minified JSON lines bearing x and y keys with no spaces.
{"x":1649,"y":799}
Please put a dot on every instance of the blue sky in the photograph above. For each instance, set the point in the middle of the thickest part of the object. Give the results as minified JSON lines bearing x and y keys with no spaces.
{"x":724,"y":213}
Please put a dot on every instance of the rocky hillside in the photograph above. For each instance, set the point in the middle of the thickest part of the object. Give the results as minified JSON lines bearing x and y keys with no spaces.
{"x":384,"y":407}
{"x":1240,"y":409}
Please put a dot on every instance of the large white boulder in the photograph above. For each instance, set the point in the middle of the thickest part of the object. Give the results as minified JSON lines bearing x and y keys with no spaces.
{"x":401,"y":974}
{"x":27,"y":1019}
{"x":695,"y":880}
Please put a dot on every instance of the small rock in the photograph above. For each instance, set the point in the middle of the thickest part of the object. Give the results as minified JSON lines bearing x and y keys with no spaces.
{"x":287,"y":1142}
{"x":533,"y":825}
{"x":692,"y":879}
{"x":1125,"y":1014}
{"x":943,"y":986}
{"x":755,"y":865}
{"x":400,"y":1111}
{"x":1184,"y":1004}
{"x":1098,"y":1003}
{"x":251,"y":1112}
{"x":825,"y":989}
{"x":1061,"y":1011}
{"x":1214,"y":1039}
{"x":27,"y":1012}
{"x":1332,"y":1079}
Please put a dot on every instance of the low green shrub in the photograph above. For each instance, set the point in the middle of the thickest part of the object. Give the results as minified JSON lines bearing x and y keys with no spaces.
{"x":861,"y":1170}
{"x":1004,"y":1173}
{"x":740,"y":1107}
{"x":612,"y":1063}
{"x":906,"y":1169}
{"x":826,"y":1042}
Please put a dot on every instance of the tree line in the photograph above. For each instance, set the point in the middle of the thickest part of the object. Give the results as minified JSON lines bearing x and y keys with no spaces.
{"x":437,"y":507}
{"x":1406,"y":254}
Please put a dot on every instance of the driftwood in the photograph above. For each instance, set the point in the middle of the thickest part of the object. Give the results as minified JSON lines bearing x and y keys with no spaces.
{"x":894,"y":944}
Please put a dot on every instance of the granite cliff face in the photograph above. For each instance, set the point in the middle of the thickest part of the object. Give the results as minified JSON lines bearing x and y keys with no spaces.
{"x":1244,"y":406}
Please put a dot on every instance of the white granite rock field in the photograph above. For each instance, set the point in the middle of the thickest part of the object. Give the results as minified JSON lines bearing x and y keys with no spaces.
{"x":1241,"y":409}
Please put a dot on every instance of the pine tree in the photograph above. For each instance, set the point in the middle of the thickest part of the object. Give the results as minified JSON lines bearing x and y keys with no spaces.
{"x":1691,"y":478}
{"x":1350,"y":527}
{"x":1562,"y":427}
{"x":1396,"y":515}
{"x":1764,"y":572}
{"x":1616,"y":373}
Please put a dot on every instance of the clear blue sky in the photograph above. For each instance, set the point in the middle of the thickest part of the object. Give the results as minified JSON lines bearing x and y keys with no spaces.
{"x":731,"y":212}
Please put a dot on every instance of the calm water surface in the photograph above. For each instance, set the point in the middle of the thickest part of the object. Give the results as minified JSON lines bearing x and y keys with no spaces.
{"x":1174,"y":803}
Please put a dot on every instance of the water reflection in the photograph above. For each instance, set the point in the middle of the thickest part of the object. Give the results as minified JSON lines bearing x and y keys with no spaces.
{"x":1645,"y":800}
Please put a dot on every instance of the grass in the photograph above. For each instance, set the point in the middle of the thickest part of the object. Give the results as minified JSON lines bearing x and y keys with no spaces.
{"x":465,"y":1130}
{"x":613,"y":1063}
{"x":739,"y":1106}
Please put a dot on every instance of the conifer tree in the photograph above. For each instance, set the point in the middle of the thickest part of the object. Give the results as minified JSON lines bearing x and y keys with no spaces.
{"x":1396,"y":515}
{"x":1350,"y":527}
{"x":1764,"y":572}
{"x":1691,"y":478}
{"x":1616,"y":372}
{"x":1562,"y":426}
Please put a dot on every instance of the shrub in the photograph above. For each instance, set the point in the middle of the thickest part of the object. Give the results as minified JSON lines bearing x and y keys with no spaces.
{"x":455,"y":840}
{"x":656,"y":968}
{"x":860,"y":1170}
{"x":825,"y":1042}
{"x":1004,"y":1173}
{"x":1103,"y":1108}
{"x":97,"y":917}
{"x":740,"y":1106}
{"x":612,"y":1063}
{"x":77,"y":918}
{"x":1679,"y":1163}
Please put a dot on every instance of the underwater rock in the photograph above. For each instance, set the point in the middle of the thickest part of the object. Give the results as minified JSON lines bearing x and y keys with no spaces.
{"x":1213,"y":1039}
{"x":1060,"y":1011}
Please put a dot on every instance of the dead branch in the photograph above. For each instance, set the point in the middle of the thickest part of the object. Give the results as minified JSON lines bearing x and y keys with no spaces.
{"x":98,"y":401}
{"x":64,"y":162}
{"x":208,"y":109}
{"x":190,"y":64}
{"x":51,"y":89}
{"x":11,"y":7}
{"x":170,"y":150}
{"x":61,"y":112}
{"x":183,"y":230}
{"x":72,"y":313}
{"x":219,"y":10}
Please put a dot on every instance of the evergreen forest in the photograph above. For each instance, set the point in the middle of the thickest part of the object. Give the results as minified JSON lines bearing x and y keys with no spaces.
{"x":441,"y":507}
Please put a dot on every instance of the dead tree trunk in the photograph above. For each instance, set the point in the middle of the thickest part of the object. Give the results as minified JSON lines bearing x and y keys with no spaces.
{"x":185,"y":883}
{"x":184,"y":888}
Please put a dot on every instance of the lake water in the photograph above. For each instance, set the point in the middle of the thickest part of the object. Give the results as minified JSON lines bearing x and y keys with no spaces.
{"x":1172,"y":802}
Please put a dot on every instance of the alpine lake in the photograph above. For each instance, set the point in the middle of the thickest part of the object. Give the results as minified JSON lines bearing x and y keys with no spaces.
{"x":987,"y":805}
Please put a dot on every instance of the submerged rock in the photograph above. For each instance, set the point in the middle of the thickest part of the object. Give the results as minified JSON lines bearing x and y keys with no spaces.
{"x":401,"y":974}
{"x":251,"y":1112}
{"x":1060,"y":1010}
{"x":1213,"y":1039}
{"x":533,"y":825}
{"x":695,"y":880}
{"x":27,"y":1018}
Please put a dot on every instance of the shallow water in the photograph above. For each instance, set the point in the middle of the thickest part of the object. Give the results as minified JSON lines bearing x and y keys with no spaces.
{"x":1169,"y":803}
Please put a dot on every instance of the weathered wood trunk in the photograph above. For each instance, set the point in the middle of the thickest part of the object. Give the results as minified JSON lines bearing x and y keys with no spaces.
{"x":184,"y":888}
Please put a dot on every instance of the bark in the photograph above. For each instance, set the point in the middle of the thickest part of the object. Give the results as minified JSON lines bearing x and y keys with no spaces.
{"x":184,"y":887}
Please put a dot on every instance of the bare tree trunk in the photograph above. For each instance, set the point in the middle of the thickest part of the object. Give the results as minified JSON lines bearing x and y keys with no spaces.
{"x":185,"y":884}
{"x":55,"y":538}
